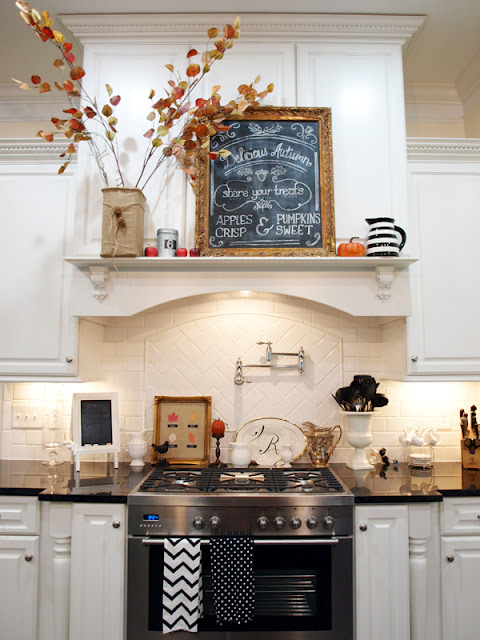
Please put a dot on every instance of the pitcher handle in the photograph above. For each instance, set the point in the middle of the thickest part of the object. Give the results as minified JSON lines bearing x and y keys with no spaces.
{"x":404,"y":236}
{"x":339,"y":435}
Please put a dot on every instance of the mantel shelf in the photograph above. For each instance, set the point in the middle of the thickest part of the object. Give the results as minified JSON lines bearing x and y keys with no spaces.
{"x":360,"y":286}
{"x":222,"y":263}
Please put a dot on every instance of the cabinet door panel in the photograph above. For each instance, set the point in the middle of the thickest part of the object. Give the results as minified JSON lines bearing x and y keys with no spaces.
{"x":442,"y":332}
{"x":97,"y":572}
{"x":382,"y":580}
{"x":19,"y":577}
{"x":37,"y":331}
{"x":460,"y":586}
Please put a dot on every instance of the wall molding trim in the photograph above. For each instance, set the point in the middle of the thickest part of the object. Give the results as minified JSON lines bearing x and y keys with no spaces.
{"x":31,"y":150}
{"x":443,"y":149}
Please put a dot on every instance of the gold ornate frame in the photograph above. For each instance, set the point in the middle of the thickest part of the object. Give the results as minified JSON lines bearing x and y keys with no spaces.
{"x":322,"y":115}
{"x":190,"y":430}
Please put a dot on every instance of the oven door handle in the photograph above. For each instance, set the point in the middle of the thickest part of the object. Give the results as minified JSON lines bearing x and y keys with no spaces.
{"x":316,"y":541}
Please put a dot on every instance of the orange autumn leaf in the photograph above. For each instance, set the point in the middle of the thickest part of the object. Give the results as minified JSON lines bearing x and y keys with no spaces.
{"x":68,"y":86}
{"x":228,"y":31}
{"x":115,"y":100}
{"x":36,"y":79}
{"x":193,"y":70}
{"x":46,"y":135}
{"x":192,"y":52}
{"x":212,"y":32}
{"x":44,"y":88}
{"x":76,"y":73}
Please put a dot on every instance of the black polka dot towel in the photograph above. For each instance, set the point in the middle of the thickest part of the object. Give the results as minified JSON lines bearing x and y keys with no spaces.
{"x":233,"y":579}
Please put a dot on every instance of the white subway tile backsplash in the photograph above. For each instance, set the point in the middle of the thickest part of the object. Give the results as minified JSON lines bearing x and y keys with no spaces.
{"x":190,"y":347}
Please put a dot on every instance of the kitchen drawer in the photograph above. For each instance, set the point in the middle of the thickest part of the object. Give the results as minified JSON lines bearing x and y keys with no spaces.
{"x":19,"y":515}
{"x":460,"y":516}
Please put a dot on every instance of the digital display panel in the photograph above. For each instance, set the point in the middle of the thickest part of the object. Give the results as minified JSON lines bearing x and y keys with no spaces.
{"x":150,"y":516}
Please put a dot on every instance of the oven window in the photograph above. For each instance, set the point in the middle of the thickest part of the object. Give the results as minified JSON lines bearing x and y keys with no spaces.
{"x":293,"y":589}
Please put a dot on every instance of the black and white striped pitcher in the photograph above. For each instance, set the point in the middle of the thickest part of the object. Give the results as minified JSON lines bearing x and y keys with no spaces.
{"x":384,"y":237}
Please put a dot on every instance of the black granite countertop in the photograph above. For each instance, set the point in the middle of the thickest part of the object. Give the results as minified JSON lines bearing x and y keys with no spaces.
{"x":95,"y":482}
{"x":403,"y":484}
{"x":100,"y":482}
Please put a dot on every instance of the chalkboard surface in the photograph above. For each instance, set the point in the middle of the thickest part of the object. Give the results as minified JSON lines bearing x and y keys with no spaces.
{"x":270,"y":192}
{"x":96,"y":422}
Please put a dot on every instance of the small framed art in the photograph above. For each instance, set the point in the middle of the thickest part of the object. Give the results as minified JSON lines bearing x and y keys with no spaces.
{"x":183,"y":422}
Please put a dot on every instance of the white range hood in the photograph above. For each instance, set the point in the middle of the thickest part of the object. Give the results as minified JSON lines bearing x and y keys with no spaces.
{"x":125,"y":286}
{"x":349,"y":63}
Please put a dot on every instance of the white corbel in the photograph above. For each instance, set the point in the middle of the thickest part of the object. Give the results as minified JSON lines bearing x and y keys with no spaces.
{"x":98,"y":278}
{"x":385,"y":276}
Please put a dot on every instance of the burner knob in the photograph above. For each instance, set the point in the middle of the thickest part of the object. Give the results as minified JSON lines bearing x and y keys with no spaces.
{"x":312,"y":523}
{"x":328,"y":522}
{"x":279,"y":522}
{"x":215,"y":522}
{"x":295,"y":523}
{"x":262,"y":522}
{"x":198,"y":522}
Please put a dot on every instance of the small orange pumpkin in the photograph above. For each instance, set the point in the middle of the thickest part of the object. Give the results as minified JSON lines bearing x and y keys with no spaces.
{"x":351,"y":249}
{"x":218,"y":427}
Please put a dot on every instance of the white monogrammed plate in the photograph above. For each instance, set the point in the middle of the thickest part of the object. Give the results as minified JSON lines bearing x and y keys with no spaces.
{"x":265,"y":436}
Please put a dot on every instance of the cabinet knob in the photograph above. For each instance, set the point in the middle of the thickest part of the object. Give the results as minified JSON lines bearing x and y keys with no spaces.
{"x":450,"y":558}
{"x":28,"y":557}
{"x":363,"y":526}
{"x":69,"y":359}
{"x":414,"y":358}
{"x":478,"y":516}
{"x":116,"y":524}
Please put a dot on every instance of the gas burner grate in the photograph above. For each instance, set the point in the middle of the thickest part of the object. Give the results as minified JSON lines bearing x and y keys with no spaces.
{"x":226,"y":480}
{"x":175,"y":480}
{"x":317,"y":480}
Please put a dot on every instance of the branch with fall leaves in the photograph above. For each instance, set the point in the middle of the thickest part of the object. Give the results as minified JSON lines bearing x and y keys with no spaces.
{"x":177,"y":127}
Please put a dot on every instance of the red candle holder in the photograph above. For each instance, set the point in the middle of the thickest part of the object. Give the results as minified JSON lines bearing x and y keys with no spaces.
{"x":218,"y":431}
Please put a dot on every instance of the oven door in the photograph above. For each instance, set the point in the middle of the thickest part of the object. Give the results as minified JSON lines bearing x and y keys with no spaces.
{"x":303,"y":591}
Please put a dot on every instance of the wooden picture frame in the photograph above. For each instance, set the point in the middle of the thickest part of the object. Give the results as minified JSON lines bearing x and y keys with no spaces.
{"x":185,"y":423}
{"x":95,"y":425}
{"x":273,"y":195}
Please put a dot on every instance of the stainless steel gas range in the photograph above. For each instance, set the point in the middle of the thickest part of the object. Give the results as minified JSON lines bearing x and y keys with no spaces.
{"x":301,"y":523}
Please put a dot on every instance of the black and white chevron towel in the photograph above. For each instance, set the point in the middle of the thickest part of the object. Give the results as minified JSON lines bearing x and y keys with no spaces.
{"x":233,"y":579}
{"x":182,"y":584}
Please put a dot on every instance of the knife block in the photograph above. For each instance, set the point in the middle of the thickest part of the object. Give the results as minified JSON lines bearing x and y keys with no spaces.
{"x":470,"y":460}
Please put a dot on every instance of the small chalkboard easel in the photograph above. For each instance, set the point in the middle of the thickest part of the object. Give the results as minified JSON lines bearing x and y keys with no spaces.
{"x":95,"y":425}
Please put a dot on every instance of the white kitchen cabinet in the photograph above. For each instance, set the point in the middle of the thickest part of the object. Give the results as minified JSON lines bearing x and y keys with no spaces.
{"x":460,"y":567}
{"x":382,"y":572}
{"x":97,"y":571}
{"x":442,"y":333}
{"x":38,"y":336}
{"x":19,"y":567}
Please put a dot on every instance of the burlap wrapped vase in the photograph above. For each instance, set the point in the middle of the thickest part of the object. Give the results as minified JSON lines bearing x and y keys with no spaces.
{"x":122,"y":223}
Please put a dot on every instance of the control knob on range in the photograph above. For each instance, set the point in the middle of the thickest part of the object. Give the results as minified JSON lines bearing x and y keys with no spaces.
{"x":198,"y":522}
{"x":312,"y":522}
{"x":295,"y":523}
{"x":215,"y":522}
{"x":262,"y":522}
{"x":279,"y":522}
{"x":328,"y":522}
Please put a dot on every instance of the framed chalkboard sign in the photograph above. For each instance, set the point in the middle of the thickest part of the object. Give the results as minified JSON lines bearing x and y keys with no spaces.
{"x":272,"y":195}
{"x":95,"y":425}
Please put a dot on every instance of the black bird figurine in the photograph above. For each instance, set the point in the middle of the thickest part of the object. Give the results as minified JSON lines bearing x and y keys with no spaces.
{"x":161,"y":449}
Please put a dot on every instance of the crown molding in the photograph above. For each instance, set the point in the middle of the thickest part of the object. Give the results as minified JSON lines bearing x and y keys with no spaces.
{"x":443,"y":149}
{"x":433,"y":103}
{"x":291,"y":26}
{"x":31,"y":151}
{"x":17,"y":105}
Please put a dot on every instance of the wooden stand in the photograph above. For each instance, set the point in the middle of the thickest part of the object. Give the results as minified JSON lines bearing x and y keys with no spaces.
{"x":470,"y":454}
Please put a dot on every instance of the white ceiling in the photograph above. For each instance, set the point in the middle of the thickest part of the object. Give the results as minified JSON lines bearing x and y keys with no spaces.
{"x":447,"y":45}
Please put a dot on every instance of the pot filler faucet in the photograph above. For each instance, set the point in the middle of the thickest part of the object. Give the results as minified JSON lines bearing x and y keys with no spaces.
{"x":239,"y":379}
